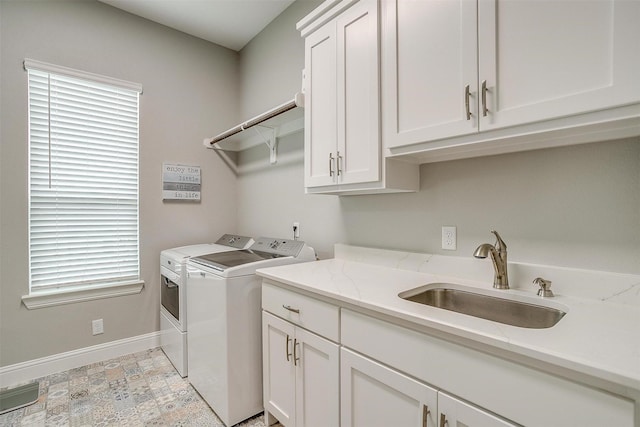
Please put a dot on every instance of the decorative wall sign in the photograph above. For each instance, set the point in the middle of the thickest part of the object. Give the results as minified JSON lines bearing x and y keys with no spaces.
{"x":180,"y":182}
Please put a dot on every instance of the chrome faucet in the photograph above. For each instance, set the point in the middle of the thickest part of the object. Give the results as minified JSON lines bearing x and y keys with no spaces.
{"x":498,"y":254}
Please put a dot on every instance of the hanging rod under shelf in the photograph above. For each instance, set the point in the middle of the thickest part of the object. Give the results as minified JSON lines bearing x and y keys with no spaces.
{"x":297,"y":101}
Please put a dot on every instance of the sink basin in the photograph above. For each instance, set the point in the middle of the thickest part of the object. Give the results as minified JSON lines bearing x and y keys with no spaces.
{"x":502,"y":310}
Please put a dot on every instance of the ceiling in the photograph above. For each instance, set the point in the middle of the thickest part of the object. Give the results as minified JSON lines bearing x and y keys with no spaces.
{"x":229,"y":23}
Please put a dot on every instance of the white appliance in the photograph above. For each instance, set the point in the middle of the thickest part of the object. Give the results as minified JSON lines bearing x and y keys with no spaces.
{"x":173,"y":294}
{"x":225,"y":339}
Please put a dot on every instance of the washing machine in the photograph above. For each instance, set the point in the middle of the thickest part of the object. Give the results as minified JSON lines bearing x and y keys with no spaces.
{"x":225,"y":332}
{"x":173,"y":294}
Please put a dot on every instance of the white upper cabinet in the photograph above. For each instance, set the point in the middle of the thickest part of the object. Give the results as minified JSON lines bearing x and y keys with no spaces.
{"x":342,"y":144}
{"x":461,"y":75}
{"x":430,"y":58}
{"x":343,"y":152}
{"x":548,"y":59}
{"x":320,"y":136}
{"x":358,"y":94}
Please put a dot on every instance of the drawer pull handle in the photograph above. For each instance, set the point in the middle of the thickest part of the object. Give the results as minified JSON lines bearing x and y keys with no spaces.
{"x":296,"y":343}
{"x":425,"y":415}
{"x":443,"y":420}
{"x":293,"y":310}
{"x":287,"y":350}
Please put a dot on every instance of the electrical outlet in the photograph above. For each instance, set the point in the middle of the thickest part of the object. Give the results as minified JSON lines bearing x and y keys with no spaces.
{"x":296,"y":230}
{"x":97,"y":327}
{"x":449,"y":236}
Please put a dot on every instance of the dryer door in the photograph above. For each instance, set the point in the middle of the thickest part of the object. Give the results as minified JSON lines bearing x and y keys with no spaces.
{"x":170,"y":292}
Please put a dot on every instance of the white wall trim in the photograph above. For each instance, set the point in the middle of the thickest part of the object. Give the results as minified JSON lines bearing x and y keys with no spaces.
{"x":32,"y":64}
{"x":36,"y":368}
{"x":80,"y":294}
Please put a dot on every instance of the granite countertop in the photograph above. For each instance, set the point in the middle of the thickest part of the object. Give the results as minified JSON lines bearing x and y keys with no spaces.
{"x":599,"y":337}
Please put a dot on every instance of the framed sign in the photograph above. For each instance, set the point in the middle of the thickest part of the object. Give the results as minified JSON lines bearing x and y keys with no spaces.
{"x":180,"y":182}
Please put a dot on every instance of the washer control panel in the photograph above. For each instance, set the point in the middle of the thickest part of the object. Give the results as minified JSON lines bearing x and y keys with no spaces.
{"x":280,"y":247}
{"x":238,"y":242}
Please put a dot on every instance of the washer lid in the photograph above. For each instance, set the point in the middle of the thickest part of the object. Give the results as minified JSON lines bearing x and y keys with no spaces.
{"x":227,"y":242}
{"x":223,"y":260}
{"x":265,"y":248}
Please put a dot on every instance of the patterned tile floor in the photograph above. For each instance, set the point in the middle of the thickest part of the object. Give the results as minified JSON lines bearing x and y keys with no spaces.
{"x":141,"y":389}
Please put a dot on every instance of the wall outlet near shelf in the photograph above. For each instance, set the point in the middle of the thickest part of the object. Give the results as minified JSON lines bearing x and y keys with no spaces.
{"x":97,"y":327}
{"x":296,"y":230}
{"x":449,"y":236}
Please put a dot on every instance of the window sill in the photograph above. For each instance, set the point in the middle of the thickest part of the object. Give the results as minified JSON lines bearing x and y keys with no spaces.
{"x":73,"y":295}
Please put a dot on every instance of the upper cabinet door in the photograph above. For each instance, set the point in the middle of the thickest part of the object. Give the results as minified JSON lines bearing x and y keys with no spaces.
{"x":552,"y":59}
{"x":430,"y":80}
{"x":320,"y":137}
{"x":358,"y":150}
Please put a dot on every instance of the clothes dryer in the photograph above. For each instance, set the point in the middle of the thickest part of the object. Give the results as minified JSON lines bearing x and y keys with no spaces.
{"x":173,"y":294}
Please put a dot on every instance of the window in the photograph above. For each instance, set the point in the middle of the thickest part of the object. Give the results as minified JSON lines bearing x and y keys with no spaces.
{"x":83,"y":180}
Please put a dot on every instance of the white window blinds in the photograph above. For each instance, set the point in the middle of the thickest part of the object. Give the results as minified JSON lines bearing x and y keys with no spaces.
{"x":83,"y":160}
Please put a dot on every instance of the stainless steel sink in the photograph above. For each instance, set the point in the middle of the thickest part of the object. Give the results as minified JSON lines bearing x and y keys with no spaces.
{"x":502,"y":310}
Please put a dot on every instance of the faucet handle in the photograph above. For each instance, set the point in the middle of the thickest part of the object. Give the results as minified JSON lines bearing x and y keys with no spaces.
{"x":545,"y":287}
{"x":500,"y":244}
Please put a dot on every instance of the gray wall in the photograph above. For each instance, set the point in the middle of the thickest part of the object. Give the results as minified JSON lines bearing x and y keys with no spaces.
{"x":190,"y":92}
{"x":576,"y":206}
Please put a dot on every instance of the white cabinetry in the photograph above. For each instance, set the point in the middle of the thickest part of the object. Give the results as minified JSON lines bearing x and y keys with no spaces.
{"x":279,"y":372}
{"x":342,"y":103}
{"x":375,"y":395}
{"x":543,"y":60}
{"x":429,"y":57}
{"x":300,"y":368}
{"x":494,"y":383}
{"x":330,"y":366}
{"x":454,"y":412}
{"x":454,"y":71}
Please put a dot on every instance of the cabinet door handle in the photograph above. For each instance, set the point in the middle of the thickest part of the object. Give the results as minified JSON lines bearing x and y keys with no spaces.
{"x":287,"y":350}
{"x":443,"y":420}
{"x":467,"y":94}
{"x":484,"y":98}
{"x":425,"y":415}
{"x":330,"y":164}
{"x":296,"y":343}
{"x":293,"y":310}
{"x":339,"y":160}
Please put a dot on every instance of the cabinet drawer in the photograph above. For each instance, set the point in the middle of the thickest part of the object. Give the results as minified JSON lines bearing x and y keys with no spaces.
{"x":312,"y":314}
{"x":501,"y":386}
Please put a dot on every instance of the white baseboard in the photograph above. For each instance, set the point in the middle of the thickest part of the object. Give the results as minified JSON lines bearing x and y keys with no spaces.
{"x":33,"y":369}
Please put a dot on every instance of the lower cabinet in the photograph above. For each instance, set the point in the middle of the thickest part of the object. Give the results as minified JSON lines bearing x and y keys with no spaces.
{"x":328,"y":366}
{"x":300,"y":375}
{"x":373,"y":395}
{"x":479,"y":379}
{"x":453,"y":412}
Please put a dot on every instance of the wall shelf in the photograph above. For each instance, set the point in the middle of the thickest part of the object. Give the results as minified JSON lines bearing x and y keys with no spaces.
{"x":266,"y":128}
